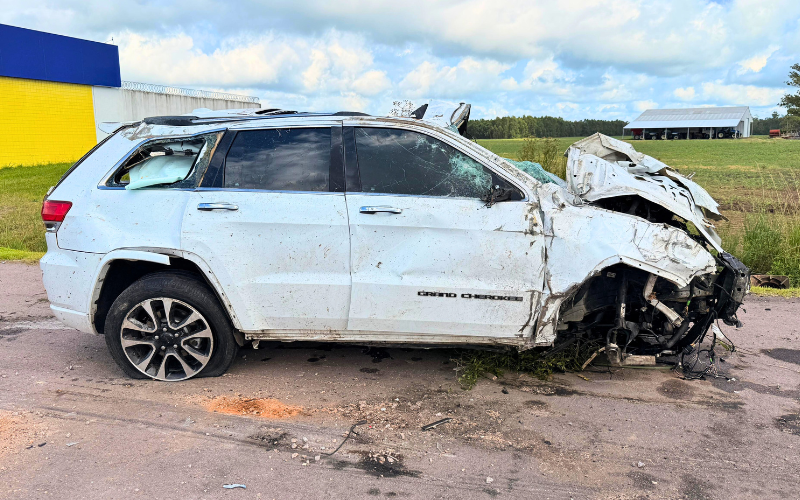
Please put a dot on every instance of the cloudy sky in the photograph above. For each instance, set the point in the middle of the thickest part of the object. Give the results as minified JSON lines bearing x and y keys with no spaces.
{"x":571,"y":58}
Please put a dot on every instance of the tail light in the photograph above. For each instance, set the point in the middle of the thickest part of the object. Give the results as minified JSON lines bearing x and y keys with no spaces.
{"x":53,"y":213}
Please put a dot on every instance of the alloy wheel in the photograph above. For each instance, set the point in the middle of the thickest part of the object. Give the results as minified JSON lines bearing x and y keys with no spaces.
{"x":166,"y":339}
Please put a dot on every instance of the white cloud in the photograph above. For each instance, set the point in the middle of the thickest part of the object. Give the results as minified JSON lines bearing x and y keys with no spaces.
{"x":732,"y":94}
{"x":684,"y":94}
{"x":468,"y":76}
{"x":757,"y":62}
{"x":644,"y":105}
{"x":331,"y":64}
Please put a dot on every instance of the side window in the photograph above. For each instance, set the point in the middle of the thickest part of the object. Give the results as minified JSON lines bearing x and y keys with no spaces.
{"x":166,"y":163}
{"x":289,"y":159}
{"x":404,"y":162}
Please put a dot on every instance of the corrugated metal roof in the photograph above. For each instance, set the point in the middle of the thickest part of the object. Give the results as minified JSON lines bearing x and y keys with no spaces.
{"x":690,"y":117}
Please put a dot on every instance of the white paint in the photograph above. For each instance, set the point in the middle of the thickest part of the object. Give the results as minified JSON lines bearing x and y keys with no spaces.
{"x":283,"y":259}
{"x":447,"y":245}
{"x":296,"y":266}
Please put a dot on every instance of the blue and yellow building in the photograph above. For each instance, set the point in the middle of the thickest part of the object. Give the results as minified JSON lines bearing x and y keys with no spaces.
{"x":46,"y":98}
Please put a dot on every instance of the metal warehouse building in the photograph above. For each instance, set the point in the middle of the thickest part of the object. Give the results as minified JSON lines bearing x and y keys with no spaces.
{"x":55,"y":90}
{"x":692,"y":123}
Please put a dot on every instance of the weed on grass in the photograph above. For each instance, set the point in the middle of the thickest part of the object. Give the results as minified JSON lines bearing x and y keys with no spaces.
{"x":540,"y":363}
{"x":547,"y":153}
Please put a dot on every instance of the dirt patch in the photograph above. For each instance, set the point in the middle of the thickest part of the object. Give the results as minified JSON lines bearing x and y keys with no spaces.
{"x":676,"y":389}
{"x":694,"y":488}
{"x":369,"y":370}
{"x":263,"y":408}
{"x":643,"y":480}
{"x":789,"y":423}
{"x":15,"y":433}
{"x":271,"y":438}
{"x":535,"y":386}
{"x":535,"y":405}
{"x":785,"y":355}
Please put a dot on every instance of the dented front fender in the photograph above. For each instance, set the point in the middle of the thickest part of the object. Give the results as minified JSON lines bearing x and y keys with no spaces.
{"x":582,"y":240}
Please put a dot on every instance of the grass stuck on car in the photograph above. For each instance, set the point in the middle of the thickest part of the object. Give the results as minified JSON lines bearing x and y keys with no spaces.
{"x":181,"y":239}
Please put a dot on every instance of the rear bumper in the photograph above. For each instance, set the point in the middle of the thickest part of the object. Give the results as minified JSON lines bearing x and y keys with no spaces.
{"x":73,"y":319}
{"x":69,"y":278}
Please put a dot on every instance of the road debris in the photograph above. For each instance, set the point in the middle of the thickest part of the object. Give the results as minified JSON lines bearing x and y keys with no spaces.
{"x":232,"y":486}
{"x":350,"y":433}
{"x":433,"y":425}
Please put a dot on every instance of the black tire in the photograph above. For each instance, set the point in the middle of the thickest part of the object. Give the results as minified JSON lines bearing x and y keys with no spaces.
{"x":185,"y":287}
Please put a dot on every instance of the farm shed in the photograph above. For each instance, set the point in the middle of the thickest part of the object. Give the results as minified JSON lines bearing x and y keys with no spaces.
{"x":692,"y":123}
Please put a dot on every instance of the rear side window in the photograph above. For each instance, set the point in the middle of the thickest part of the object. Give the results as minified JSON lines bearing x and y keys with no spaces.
{"x":405,"y":162}
{"x":295,"y":159}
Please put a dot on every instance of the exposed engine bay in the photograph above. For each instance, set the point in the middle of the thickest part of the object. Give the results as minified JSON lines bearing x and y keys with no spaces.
{"x":632,"y":311}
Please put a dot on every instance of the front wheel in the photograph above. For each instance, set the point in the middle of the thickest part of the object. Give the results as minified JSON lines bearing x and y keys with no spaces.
{"x":169,"y":326}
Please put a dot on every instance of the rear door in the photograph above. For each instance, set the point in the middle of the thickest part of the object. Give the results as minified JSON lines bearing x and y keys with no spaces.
{"x":271,"y":222}
{"x":428,"y":256}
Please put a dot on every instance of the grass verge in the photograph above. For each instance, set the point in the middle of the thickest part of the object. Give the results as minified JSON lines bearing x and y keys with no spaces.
{"x":20,"y":255}
{"x":22,"y":190}
{"x":787,"y":293}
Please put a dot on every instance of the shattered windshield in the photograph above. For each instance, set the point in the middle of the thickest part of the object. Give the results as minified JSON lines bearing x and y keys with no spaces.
{"x":404,"y":162}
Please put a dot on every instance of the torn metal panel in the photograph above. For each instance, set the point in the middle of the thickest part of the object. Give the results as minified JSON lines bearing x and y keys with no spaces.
{"x":600,"y":167}
{"x":583,"y":240}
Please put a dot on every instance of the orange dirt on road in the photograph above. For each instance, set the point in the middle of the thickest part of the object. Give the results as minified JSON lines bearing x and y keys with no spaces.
{"x":264,"y":408}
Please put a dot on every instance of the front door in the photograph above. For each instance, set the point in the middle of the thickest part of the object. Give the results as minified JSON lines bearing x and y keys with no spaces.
{"x":274,"y":229}
{"x":427,"y":255}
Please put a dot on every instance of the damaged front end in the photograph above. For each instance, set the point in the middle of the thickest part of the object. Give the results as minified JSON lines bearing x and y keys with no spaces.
{"x":662,"y":279}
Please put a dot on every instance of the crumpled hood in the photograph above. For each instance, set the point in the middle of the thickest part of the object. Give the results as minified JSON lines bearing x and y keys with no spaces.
{"x":600,"y":167}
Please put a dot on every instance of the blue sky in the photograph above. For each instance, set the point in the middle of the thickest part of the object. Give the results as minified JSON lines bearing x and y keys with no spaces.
{"x":572,"y":58}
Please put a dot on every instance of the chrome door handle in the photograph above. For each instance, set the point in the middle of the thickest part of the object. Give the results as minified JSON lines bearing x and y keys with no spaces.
{"x":382,"y":209}
{"x":207,"y":207}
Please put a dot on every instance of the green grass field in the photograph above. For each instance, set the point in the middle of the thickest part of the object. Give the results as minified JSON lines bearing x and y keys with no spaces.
{"x":21,"y":192}
{"x":756,"y":181}
{"x":737,"y":173}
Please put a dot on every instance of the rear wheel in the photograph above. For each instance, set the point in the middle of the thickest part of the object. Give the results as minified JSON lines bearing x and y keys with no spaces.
{"x":170,"y":327}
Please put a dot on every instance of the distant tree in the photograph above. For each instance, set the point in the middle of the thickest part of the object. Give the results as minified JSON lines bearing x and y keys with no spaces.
{"x":513,"y":127}
{"x":792,"y":101}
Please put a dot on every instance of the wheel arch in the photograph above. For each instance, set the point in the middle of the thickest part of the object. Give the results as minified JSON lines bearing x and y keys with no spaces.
{"x":121,"y":268}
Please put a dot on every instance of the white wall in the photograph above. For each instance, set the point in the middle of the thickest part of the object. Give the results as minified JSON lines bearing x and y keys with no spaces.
{"x":119,"y":105}
{"x":745,"y":127}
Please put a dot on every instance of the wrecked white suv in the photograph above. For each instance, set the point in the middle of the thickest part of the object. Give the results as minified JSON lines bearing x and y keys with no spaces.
{"x":182,"y":238}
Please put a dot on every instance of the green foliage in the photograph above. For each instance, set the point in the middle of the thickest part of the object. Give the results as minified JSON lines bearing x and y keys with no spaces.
{"x":761,"y":243}
{"x":513,"y":127}
{"x":545,"y":152}
{"x":792,"y":101}
{"x":787,"y":260}
{"x":541,"y":363}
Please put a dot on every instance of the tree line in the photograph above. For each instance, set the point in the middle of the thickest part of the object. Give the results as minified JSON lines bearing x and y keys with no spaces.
{"x":514,"y":127}
{"x":517,"y":127}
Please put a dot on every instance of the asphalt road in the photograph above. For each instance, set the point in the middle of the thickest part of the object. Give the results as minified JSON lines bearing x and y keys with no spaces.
{"x":72,"y":426}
